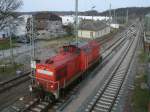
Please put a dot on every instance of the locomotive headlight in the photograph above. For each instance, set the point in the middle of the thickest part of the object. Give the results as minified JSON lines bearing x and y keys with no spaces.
{"x":52,"y":86}
{"x":45,"y":72}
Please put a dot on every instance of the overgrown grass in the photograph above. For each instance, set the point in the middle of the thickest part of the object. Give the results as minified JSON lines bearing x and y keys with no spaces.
{"x":143,"y":57}
{"x":5,"y":44}
{"x":141,"y":97}
{"x":9,"y":69}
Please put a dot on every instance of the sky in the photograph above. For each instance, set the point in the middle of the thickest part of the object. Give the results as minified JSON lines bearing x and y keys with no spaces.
{"x":84,"y":5}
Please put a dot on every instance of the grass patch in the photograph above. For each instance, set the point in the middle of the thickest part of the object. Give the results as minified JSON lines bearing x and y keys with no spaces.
{"x":5,"y":44}
{"x":9,"y":69}
{"x":143,"y":57}
{"x":141,"y":97}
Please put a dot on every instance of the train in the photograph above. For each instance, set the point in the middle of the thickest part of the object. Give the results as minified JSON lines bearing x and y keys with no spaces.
{"x":71,"y":62}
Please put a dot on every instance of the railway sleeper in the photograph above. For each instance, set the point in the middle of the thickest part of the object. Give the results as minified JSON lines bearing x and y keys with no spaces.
{"x":110,"y":94}
{"x":103,"y":106}
{"x":103,"y":102}
{"x":107,"y":97}
{"x":115,"y":83}
{"x":118,"y":75}
{"x":112,"y":87}
{"x":99,"y":110}
{"x":41,"y":107}
{"x":110,"y":91}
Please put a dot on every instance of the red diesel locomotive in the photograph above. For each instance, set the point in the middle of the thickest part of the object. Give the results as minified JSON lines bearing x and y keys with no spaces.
{"x":58,"y":72}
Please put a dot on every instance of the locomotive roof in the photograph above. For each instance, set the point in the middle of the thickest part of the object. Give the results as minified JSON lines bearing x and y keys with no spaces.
{"x":62,"y":58}
{"x":79,"y":44}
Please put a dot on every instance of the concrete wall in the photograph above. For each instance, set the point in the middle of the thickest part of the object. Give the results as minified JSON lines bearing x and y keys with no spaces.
{"x":53,"y":30}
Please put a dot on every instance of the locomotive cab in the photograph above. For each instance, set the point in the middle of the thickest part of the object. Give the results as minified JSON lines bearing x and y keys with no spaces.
{"x":70,"y":49}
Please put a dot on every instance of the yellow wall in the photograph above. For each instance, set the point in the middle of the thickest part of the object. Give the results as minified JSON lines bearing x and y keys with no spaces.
{"x":96,"y":34}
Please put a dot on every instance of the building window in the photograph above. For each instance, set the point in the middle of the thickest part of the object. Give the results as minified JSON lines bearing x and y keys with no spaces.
{"x":91,"y":34}
{"x":4,"y":36}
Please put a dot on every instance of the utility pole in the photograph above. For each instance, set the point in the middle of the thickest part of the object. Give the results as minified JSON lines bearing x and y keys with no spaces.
{"x":32,"y":45}
{"x":33,"y":39}
{"x":76,"y":20}
{"x":127,"y":16}
{"x":11,"y":46}
{"x":114,"y":18}
{"x":110,"y":14}
{"x":114,"y":15}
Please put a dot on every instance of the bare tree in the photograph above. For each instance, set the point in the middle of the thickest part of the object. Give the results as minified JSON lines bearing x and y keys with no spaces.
{"x":8,"y":13}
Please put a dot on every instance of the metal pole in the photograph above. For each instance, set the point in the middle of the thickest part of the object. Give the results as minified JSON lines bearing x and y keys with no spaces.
{"x":30,"y":34}
{"x":127,"y":16}
{"x":76,"y":20}
{"x":114,"y":15}
{"x":109,"y":14}
{"x":33,"y":44}
{"x":11,"y":49}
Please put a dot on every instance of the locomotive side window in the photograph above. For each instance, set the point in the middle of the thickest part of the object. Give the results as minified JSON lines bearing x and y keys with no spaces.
{"x":60,"y":73}
{"x":87,"y":49}
{"x":66,"y":49}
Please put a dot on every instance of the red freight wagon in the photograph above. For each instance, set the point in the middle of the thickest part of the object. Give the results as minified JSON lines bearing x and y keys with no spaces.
{"x":60,"y":71}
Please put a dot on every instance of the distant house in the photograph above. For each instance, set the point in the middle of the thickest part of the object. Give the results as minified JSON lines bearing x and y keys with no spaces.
{"x":3,"y":35}
{"x":48,"y":25}
{"x":21,"y":30}
{"x":114,"y":25}
{"x":93,"y":29}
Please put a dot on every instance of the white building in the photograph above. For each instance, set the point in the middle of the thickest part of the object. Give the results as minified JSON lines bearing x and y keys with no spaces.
{"x":67,"y":19}
{"x":3,"y":34}
{"x":70,"y":19}
{"x":93,"y":29}
{"x":21,"y":28}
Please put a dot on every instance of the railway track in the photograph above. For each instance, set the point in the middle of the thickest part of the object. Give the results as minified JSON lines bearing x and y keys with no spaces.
{"x":40,"y":106}
{"x":13,"y":82}
{"x":23,"y":78}
{"x":106,"y":97}
{"x":62,"y":103}
{"x":37,"y":106}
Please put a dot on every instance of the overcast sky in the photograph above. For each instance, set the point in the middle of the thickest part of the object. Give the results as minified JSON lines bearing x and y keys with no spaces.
{"x":68,"y":5}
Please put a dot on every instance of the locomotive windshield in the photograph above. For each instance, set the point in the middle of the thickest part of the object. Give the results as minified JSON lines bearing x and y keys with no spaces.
{"x":69,"y":48}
